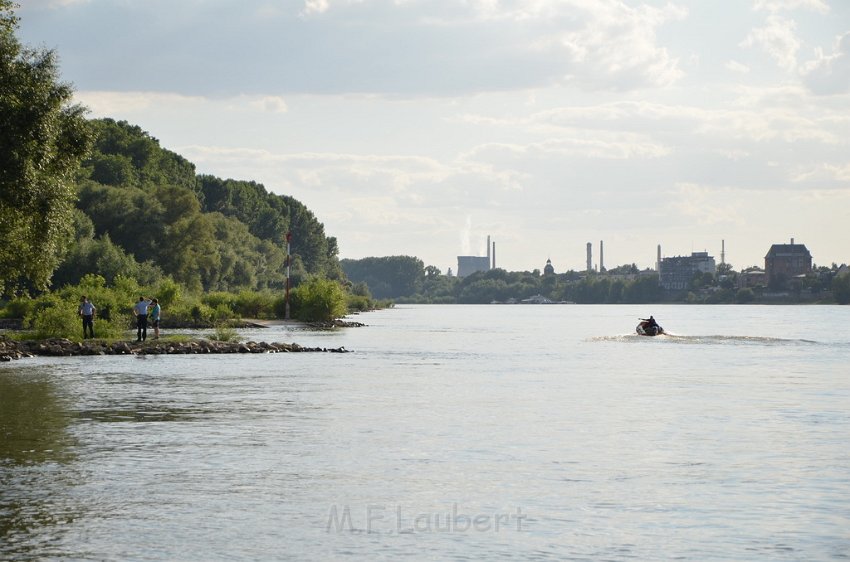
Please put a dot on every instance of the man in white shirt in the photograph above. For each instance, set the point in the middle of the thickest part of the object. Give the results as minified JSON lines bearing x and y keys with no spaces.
{"x":86,"y":311}
{"x":140,"y":309}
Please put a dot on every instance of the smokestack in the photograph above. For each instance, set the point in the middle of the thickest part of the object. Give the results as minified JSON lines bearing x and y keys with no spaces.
{"x":792,"y":241}
{"x":601,"y":257}
{"x":494,"y":254}
{"x":658,"y":260}
{"x":488,"y":249}
{"x":722,"y":252}
{"x":589,"y":256}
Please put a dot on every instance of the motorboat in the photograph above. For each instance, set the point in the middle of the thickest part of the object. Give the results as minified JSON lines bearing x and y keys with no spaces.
{"x":647,"y":328}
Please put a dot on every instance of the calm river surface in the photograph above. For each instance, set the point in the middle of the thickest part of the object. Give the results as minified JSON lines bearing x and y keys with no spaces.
{"x":450,"y":433}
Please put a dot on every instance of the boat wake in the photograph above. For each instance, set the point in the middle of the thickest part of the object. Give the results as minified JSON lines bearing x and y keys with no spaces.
{"x":668,"y":337}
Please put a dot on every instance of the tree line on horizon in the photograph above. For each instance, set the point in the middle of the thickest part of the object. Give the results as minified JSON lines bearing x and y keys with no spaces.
{"x":405,"y":279}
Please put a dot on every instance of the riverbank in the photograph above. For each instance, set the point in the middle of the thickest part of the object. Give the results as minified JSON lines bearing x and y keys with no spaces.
{"x":59,"y":347}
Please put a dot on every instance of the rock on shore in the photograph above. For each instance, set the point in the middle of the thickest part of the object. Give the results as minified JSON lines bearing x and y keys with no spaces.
{"x":60,"y":347}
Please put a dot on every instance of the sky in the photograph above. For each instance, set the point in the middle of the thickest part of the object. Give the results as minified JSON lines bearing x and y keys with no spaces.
{"x":421,"y":127}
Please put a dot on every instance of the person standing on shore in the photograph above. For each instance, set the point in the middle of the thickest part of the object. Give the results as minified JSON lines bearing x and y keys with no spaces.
{"x":140,"y":309}
{"x":87,"y":311}
{"x":154,"y":317}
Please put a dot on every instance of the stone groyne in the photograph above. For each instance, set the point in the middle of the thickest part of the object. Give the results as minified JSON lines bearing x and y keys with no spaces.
{"x":60,"y":347}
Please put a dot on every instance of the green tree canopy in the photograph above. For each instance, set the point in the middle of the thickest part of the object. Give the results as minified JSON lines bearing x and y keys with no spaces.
{"x":43,"y":138}
{"x":387,"y":277}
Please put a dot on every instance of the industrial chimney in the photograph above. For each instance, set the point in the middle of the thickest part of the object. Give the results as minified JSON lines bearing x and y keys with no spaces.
{"x":488,"y":251}
{"x":589,"y":256}
{"x":494,"y":254}
{"x":658,"y":260}
{"x":601,"y":257}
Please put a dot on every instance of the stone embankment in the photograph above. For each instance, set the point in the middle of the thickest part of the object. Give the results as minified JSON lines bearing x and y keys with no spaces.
{"x":58,"y":347}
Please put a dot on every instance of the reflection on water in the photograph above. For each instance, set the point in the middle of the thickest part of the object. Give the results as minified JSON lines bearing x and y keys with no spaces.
{"x":33,"y":421}
{"x":142,"y":413}
{"x":35,"y":449}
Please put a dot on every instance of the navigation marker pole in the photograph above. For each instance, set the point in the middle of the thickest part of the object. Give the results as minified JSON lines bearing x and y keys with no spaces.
{"x":288,"y":261}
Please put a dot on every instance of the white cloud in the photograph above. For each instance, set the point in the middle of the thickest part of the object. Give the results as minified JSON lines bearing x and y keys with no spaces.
{"x":830,"y":74}
{"x":778,"y":39}
{"x":788,"y":5}
{"x":617,"y":46}
{"x":270,"y":104}
{"x":737,"y":67}
{"x":824,"y":172}
{"x":315,"y":7}
{"x":105,"y":103}
{"x":111,"y":103}
{"x":707,"y":206}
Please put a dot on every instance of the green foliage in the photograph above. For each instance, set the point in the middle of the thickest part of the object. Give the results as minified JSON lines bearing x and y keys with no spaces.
{"x":744,"y":296}
{"x":167,"y":292}
{"x":251,"y":304}
{"x":55,"y":321}
{"x":219,"y":299}
{"x":190,"y":311}
{"x":841,"y":288}
{"x":358,"y":303}
{"x":125,"y":155}
{"x":269,"y":217}
{"x":224,"y":331}
{"x":101,"y":255}
{"x":44,"y":138}
{"x":387,"y":277}
{"x":319,"y":300}
{"x":19,"y":307}
{"x":206,"y":233}
{"x":56,"y":316}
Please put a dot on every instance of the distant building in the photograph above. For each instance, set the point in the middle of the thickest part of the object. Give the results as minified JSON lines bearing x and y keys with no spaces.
{"x":548,"y":269}
{"x":677,"y":272}
{"x":751,"y":277}
{"x":467,"y":265}
{"x":784,"y":261}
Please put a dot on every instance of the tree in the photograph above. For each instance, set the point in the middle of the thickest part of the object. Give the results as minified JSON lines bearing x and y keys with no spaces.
{"x":744,"y":296}
{"x":43,"y":139}
{"x":388,"y":276}
{"x":319,"y":300}
{"x":841,"y":288}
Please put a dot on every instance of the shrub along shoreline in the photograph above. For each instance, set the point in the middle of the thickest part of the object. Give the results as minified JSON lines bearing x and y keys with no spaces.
{"x":317,"y":301}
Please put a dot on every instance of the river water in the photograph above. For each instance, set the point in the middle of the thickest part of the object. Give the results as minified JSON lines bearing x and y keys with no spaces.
{"x":449,"y":433}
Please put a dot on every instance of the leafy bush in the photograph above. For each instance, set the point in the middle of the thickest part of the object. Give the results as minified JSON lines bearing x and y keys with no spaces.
{"x":224,"y":331}
{"x":253,"y":304}
{"x":744,"y":296}
{"x":279,"y":306}
{"x":841,"y":289}
{"x":319,"y":300}
{"x":19,"y":307}
{"x":219,"y":298}
{"x":359,"y":303}
{"x":56,"y":320}
{"x":109,"y":329}
{"x":167,"y":292}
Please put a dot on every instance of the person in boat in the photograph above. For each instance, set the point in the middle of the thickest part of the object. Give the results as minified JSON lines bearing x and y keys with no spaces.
{"x":649,"y":324}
